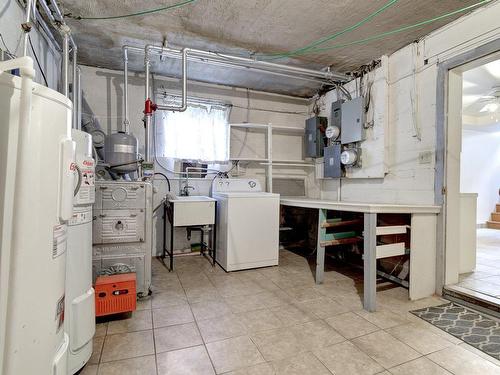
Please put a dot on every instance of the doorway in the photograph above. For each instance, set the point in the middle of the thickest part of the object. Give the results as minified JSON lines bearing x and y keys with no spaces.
{"x":472,"y":181}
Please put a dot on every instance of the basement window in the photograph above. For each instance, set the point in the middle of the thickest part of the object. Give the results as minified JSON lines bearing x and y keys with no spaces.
{"x":201,"y":133}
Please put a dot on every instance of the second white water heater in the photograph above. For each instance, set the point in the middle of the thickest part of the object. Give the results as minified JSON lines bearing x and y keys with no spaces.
{"x":79,"y":321}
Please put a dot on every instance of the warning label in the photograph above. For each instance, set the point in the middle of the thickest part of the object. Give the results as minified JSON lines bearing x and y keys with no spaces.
{"x":59,"y":236}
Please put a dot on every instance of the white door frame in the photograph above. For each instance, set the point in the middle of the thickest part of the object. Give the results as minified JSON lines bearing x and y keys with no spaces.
{"x":448,"y":146}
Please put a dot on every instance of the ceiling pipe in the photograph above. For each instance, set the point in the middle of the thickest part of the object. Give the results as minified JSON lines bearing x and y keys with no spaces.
{"x":150,"y":107}
{"x":26,"y":27}
{"x":321,"y":77}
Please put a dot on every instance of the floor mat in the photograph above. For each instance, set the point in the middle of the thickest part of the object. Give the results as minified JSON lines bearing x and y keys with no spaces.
{"x":469,"y":326}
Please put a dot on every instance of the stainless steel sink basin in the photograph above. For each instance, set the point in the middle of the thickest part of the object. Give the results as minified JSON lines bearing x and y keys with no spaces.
{"x":193,"y":210}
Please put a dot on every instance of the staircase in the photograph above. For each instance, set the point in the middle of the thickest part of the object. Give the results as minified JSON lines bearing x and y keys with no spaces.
{"x":494,"y":223}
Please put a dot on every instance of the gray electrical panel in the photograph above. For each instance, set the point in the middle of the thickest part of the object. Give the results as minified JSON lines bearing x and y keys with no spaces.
{"x":332,"y":167}
{"x":353,"y":121}
{"x":314,"y":140}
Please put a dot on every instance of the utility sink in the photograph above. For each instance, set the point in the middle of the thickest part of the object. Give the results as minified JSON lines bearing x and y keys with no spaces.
{"x":192,"y":210}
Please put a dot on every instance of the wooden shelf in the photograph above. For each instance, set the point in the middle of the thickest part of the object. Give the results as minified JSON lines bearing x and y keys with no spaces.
{"x":345,"y":241}
{"x":336,"y":224}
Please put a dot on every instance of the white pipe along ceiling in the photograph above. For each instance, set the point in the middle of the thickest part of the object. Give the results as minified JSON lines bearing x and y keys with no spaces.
{"x":243,"y":31}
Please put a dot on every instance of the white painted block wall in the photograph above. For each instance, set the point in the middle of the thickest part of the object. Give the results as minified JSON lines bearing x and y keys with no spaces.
{"x":412,"y":112}
{"x":480,"y":169}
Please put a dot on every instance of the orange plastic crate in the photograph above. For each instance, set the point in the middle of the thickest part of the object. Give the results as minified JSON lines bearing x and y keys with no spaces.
{"x":115,"y":294}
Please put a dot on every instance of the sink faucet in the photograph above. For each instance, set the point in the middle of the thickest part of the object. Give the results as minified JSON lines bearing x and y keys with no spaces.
{"x":185,"y":190}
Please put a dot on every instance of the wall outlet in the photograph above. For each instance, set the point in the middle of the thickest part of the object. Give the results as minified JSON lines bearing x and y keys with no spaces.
{"x":425,"y":157}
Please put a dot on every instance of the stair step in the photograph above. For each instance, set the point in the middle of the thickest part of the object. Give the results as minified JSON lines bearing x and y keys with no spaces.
{"x":493,"y":224}
{"x":498,"y":207}
{"x":495,"y":216}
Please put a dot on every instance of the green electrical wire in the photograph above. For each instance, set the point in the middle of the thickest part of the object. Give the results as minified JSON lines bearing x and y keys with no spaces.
{"x":391,"y":32}
{"x":337,"y":34}
{"x":141,"y":13}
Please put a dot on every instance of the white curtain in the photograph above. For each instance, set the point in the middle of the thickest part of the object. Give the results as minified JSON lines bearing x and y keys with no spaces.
{"x":200,"y":133}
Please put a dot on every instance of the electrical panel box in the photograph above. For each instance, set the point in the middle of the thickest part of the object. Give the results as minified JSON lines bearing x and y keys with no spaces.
{"x":352,"y":114}
{"x":336,"y":114}
{"x":315,"y":139}
{"x":332,"y":167}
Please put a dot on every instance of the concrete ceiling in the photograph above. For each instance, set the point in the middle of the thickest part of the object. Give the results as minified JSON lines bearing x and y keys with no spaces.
{"x":250,"y":26}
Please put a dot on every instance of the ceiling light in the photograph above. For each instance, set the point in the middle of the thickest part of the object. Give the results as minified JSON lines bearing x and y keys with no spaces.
{"x":490,"y":107}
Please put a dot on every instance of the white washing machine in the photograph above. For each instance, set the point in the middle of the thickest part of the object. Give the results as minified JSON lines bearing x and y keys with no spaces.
{"x":247,"y":224}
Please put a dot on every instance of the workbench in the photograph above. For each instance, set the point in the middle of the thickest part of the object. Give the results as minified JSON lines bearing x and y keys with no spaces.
{"x":422,"y":278}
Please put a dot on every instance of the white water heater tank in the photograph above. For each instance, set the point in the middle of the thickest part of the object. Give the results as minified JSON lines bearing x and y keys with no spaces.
{"x":36,"y":192}
{"x":79,"y":321}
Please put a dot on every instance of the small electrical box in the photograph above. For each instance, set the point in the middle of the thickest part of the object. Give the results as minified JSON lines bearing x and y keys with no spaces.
{"x":352,"y":115}
{"x":332,"y":167}
{"x":315,"y":139}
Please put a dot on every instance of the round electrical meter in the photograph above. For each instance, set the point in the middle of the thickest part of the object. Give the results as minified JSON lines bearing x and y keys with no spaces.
{"x":332,"y":132}
{"x":349,"y":157}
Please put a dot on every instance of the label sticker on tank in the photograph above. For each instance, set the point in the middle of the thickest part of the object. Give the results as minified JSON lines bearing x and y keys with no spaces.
{"x":88,"y":177}
{"x":59,"y":240}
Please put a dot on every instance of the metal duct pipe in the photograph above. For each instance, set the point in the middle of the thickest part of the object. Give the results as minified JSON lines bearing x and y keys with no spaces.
{"x":126,"y":121}
{"x":26,"y":26}
{"x":65,"y":65}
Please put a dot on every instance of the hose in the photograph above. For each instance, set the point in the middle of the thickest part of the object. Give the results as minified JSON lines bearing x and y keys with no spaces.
{"x":166,"y":178}
{"x":339,"y":33}
{"x":398,"y":30}
{"x":141,"y":13}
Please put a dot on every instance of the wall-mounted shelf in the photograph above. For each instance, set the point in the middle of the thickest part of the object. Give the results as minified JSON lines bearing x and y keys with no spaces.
{"x":268,"y":161}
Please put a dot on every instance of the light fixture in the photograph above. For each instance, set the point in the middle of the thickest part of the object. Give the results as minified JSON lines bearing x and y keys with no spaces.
{"x":490,"y":107}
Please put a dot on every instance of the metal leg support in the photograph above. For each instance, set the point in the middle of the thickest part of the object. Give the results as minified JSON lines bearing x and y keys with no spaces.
{"x":370,"y":262}
{"x":320,"y":250}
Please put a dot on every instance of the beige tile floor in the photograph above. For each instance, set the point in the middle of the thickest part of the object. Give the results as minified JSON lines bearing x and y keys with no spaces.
{"x":201,"y":320}
{"x":486,"y":277}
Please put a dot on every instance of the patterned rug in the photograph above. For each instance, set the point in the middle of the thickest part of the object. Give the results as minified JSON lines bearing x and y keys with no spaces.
{"x":469,"y":326}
